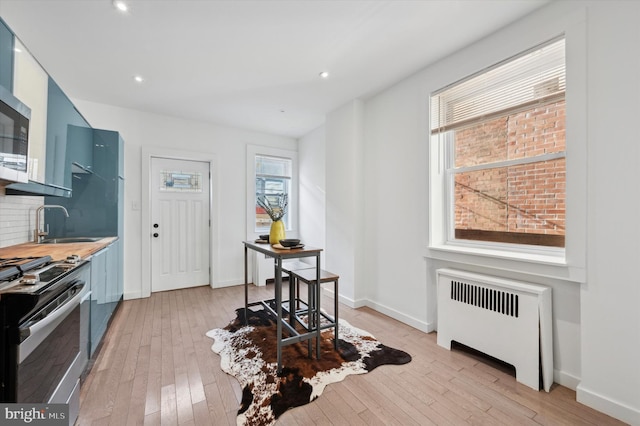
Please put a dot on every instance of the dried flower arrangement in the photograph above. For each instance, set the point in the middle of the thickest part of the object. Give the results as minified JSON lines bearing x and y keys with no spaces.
{"x":275,"y":211}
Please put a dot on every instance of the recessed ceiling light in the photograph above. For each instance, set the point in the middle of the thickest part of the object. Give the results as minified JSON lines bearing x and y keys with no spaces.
{"x":324,"y":74}
{"x":120,"y":5}
{"x":138,"y":78}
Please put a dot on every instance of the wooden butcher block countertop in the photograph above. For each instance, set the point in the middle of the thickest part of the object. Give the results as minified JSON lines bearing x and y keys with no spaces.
{"x":56,"y":251}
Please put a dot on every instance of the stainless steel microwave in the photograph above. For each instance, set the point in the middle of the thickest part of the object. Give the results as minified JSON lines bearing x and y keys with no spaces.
{"x":14,"y":138}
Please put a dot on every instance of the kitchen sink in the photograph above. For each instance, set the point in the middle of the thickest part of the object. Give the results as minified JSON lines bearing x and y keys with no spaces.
{"x":68,"y":240}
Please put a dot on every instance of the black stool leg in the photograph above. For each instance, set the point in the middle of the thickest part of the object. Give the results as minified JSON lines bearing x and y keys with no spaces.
{"x":309,"y":315}
{"x":335,"y":313}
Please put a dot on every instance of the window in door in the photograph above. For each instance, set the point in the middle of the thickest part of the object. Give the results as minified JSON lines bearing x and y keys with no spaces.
{"x":499,"y":139}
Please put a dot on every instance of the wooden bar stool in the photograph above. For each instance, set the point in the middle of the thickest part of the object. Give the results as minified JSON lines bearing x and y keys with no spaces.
{"x":315,"y":314}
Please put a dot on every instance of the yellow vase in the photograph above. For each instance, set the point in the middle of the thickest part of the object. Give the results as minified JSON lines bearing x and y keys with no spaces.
{"x":276,"y":233}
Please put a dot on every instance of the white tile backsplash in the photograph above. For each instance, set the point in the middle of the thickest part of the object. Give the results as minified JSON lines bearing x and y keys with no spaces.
{"x":17,"y":218}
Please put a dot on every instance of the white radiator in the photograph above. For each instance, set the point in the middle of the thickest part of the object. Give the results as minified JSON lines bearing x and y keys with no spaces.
{"x":509,"y":320}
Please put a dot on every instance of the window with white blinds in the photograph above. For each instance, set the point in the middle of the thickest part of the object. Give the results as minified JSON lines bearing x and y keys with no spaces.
{"x":501,"y":138}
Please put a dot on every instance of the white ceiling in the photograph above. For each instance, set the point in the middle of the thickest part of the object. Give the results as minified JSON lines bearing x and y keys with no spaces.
{"x":250,"y":64}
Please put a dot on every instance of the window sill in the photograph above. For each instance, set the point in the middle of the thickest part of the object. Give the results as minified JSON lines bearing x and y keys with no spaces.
{"x":539,"y":264}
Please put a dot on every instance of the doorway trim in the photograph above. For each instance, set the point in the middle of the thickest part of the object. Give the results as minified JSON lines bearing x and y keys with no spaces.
{"x":149,"y":152}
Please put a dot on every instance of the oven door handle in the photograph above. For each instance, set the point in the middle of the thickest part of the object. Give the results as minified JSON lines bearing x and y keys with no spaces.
{"x":41,"y":329}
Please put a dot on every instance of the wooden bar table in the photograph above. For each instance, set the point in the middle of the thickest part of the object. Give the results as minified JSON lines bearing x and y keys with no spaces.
{"x":279,"y":255}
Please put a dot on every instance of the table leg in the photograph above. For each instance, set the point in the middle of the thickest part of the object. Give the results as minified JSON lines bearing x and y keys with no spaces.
{"x":310,"y":316}
{"x":335,"y":316}
{"x":318,"y":306}
{"x":246,"y":287}
{"x":278,"y":285}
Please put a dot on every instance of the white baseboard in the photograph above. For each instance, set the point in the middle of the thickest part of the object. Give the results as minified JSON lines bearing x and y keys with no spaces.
{"x":409,"y":320}
{"x":620,"y":411}
{"x":565,"y":379}
{"x":345,"y":300}
{"x":132,"y":295}
{"x":227,"y":283}
{"x":413,"y":322}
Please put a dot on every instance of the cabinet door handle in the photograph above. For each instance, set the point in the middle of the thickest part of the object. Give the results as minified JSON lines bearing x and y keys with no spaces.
{"x":155,"y":235}
{"x":155,"y":225}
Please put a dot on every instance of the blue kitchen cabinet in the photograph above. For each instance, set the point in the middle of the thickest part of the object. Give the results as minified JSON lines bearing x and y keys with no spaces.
{"x":120,"y":157}
{"x":114,"y":290}
{"x":96,"y":207}
{"x":6,"y":57}
{"x":108,"y":160}
{"x":98,"y":312}
{"x":106,"y":291}
{"x":65,"y":138}
{"x":79,"y":155}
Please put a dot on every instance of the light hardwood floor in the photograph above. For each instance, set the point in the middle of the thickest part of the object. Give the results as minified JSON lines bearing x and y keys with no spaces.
{"x":156,"y":367}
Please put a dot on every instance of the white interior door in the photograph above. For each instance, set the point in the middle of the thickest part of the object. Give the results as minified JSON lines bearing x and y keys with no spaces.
{"x":180,"y":223}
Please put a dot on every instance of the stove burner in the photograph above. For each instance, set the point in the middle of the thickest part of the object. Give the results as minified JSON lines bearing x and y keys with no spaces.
{"x":10,"y":269}
{"x":24,"y":264}
{"x":28,"y":271}
{"x":9,"y":273}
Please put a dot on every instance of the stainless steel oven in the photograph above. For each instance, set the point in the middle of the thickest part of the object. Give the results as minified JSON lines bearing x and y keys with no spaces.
{"x":45,"y":351}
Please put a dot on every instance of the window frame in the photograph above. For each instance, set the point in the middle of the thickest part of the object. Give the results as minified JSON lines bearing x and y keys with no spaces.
{"x":446,"y":135}
{"x":565,"y":264}
{"x":292,"y":213}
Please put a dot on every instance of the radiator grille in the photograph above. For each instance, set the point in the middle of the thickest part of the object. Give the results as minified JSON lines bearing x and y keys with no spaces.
{"x":491,"y":299}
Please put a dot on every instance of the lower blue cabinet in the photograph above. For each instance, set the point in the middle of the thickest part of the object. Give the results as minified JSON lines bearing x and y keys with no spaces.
{"x":106,"y":291}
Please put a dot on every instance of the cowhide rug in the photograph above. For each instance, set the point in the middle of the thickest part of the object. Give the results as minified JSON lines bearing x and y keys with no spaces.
{"x":249,"y":354}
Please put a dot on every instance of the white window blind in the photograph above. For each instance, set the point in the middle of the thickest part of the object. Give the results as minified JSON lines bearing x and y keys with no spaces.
{"x":534,"y":77}
{"x":267,"y":167}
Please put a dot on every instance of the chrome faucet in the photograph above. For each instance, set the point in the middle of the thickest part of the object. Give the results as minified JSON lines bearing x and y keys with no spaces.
{"x":39,"y":233}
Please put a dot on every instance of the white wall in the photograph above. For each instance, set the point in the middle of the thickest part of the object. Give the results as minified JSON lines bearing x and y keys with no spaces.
{"x":396,"y":203}
{"x":311,"y":167}
{"x":227,"y":145}
{"x":595,"y":302}
{"x":344,"y":207}
{"x":611,"y":295}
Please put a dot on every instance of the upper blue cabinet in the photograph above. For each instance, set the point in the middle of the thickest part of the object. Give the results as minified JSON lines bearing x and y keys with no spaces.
{"x":6,"y":57}
{"x":69,"y":137}
{"x":96,"y":204}
{"x":107,"y":153}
